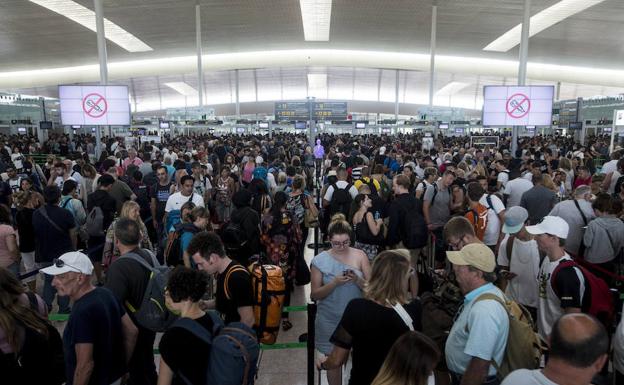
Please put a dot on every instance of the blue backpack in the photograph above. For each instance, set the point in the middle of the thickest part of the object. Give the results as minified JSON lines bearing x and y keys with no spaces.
{"x":173,"y":217}
{"x":234,"y":350}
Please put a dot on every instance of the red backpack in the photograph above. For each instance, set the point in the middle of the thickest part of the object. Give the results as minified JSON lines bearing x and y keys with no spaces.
{"x":601,"y":300}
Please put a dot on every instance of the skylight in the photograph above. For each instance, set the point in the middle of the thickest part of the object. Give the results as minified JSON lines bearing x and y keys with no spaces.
{"x":86,"y":17}
{"x":316,"y":16}
{"x":182,"y":88}
{"x":541,"y":21}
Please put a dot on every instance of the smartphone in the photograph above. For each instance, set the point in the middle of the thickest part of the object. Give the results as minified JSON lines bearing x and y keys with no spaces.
{"x":347,"y":272}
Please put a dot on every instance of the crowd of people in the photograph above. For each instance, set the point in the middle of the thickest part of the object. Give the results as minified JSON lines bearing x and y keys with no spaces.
{"x":541,"y":230}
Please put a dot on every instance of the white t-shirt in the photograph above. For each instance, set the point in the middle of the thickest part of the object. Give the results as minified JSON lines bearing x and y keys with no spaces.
{"x":492,"y":230}
{"x":17,"y":159}
{"x":176,"y":201}
{"x":525,"y":260}
{"x":514,"y":189}
{"x":527,"y":377}
{"x":421,"y":187}
{"x":503,"y":178}
{"x":341,"y":184}
{"x":608,"y":167}
{"x":614,"y":178}
{"x":528,"y":176}
{"x":549,"y":305}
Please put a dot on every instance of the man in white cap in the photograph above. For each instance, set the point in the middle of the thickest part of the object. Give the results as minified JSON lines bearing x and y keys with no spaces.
{"x":479,"y":333}
{"x":569,"y":284}
{"x":99,"y":337}
{"x":519,"y":259}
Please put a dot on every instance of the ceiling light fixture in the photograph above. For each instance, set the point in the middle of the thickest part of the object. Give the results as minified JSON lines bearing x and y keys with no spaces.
{"x":86,"y":17}
{"x":182,"y":88}
{"x":451,"y":88}
{"x":541,"y":21}
{"x":316,"y":16}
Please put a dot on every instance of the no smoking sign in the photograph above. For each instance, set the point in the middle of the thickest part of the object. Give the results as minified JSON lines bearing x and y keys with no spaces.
{"x":518,"y":105}
{"x":94,"y":105}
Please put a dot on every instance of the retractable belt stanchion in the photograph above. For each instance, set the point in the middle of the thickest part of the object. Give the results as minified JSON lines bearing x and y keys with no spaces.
{"x":311,"y":337}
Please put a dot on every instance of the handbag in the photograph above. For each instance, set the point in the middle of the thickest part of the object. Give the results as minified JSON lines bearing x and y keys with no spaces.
{"x":311,"y":218}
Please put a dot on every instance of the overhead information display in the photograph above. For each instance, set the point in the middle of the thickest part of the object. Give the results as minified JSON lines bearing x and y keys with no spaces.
{"x":94,"y":105}
{"x":517,"y":106}
{"x":321,"y":111}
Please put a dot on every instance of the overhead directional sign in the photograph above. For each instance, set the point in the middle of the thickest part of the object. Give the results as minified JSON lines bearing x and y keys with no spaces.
{"x":94,"y":105}
{"x":300,"y":111}
{"x":517,"y":106}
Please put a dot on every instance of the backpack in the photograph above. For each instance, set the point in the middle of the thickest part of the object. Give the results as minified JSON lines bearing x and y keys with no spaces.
{"x":479,"y":220}
{"x":524,"y":347}
{"x":371,"y":184}
{"x":152,"y":314}
{"x":142,"y":199}
{"x":269,"y":291}
{"x":417,"y":232}
{"x":234,"y":350}
{"x":601,"y":300}
{"x":174,"y":218}
{"x":340,"y":201}
{"x":95,"y":222}
{"x":233,"y":237}
{"x":40,"y":360}
{"x":173,"y":250}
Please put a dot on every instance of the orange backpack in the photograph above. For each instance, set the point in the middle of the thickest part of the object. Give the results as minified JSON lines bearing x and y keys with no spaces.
{"x":478,"y":218}
{"x":269,"y":291}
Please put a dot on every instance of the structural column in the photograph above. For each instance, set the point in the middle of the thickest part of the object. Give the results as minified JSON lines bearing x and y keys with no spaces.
{"x":198,"y":41}
{"x":396,"y":98}
{"x":101,"y":45}
{"x":237,"y":87}
{"x":522,"y":65}
{"x":434,"y":22}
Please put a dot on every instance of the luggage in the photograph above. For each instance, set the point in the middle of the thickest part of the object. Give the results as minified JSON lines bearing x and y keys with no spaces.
{"x":269,"y":291}
{"x":153,"y":314}
{"x":601,"y":304}
{"x":234,"y":350}
{"x":524,"y":348}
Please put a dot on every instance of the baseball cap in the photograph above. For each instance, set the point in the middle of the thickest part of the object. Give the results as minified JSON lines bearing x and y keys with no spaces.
{"x":73,"y":261}
{"x":382,"y":150}
{"x":550,"y":225}
{"x":476,"y":255}
{"x":515,"y":217}
{"x":332,"y":173}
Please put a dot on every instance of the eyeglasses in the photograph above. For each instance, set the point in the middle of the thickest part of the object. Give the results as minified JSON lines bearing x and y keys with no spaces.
{"x":60,"y":263}
{"x":458,"y":244}
{"x":341,"y":244}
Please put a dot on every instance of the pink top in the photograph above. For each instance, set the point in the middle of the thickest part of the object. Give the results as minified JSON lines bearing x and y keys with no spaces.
{"x":136,"y":161}
{"x":248,"y":172}
{"x":6,"y":259}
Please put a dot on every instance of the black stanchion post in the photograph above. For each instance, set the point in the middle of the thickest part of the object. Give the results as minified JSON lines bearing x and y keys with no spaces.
{"x":311,"y":337}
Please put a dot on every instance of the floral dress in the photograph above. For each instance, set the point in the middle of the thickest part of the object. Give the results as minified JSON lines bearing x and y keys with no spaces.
{"x":282,"y":242}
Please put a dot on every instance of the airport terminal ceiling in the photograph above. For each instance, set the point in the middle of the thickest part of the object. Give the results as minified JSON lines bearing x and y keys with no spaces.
{"x":32,"y":37}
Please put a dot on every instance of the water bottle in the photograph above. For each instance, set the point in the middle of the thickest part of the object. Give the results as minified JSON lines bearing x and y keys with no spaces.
{"x":562,"y":191}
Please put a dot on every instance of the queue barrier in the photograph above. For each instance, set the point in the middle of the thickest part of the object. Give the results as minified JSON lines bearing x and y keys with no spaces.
{"x":309,"y":344}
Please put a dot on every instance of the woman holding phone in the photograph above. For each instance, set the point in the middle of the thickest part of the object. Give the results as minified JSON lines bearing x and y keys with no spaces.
{"x":338,"y":276}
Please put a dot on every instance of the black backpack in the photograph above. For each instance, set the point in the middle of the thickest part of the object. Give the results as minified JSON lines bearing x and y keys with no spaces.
{"x":371,"y":184}
{"x":233,"y":237}
{"x":173,"y":249}
{"x":39,"y":361}
{"x":143,"y":199}
{"x":340,"y":201}
{"x":415,"y":227}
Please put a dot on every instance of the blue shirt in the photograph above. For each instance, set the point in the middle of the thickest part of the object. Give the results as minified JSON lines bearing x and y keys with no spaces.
{"x":480,"y":330}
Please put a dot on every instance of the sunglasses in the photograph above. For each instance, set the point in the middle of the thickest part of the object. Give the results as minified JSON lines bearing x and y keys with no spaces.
{"x":60,"y":264}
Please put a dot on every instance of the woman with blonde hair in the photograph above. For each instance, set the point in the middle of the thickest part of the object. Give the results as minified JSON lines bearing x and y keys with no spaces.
{"x":338,"y":276}
{"x":131,"y":210}
{"x":411,"y":361}
{"x":370,"y":325}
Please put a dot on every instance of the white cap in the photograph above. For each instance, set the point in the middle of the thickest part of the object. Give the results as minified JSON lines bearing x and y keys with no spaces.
{"x":550,"y":225}
{"x":382,"y":150}
{"x":73,"y":261}
{"x":259,"y":160}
